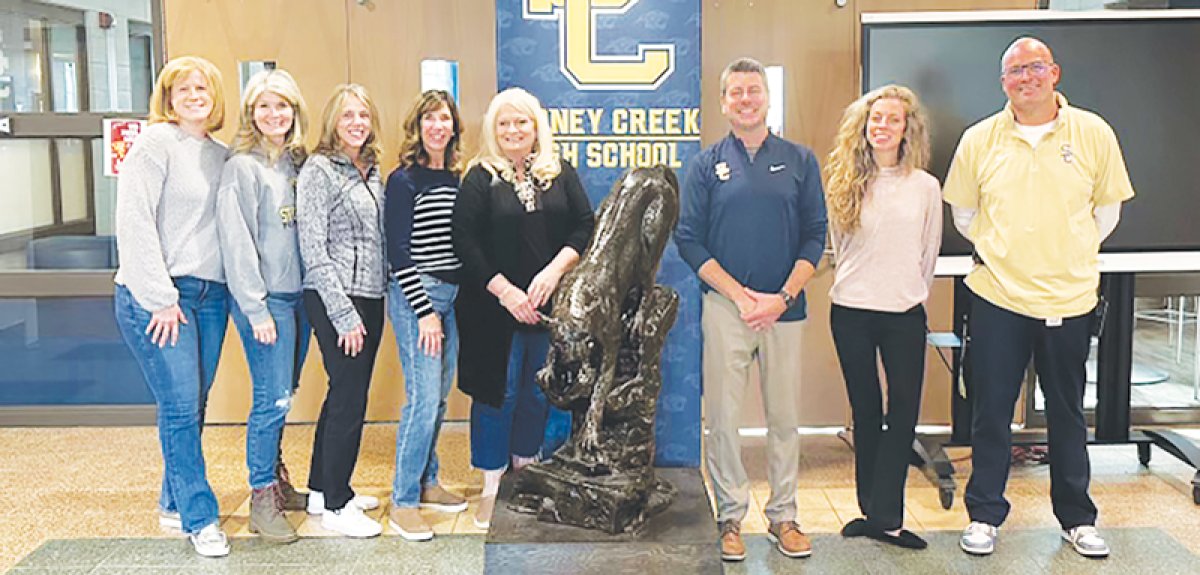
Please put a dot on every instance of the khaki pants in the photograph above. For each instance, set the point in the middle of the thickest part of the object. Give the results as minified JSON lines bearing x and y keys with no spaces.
{"x":730,"y":348}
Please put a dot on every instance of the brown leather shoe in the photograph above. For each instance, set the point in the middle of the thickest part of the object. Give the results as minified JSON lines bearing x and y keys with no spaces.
{"x":436,"y":497}
{"x":292,"y":500}
{"x":732,"y":548}
{"x":789,"y":540}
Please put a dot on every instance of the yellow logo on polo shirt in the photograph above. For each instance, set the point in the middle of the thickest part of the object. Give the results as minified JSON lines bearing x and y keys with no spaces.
{"x":578,"y":59}
{"x":722,"y":170}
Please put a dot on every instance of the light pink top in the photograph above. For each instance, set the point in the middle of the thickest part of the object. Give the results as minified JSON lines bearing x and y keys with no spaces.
{"x":887,"y":263}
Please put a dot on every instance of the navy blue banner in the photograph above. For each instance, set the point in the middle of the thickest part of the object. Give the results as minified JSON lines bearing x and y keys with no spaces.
{"x":620,"y":80}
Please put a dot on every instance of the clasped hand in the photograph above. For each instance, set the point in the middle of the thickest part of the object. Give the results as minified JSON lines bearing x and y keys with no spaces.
{"x":760,"y":310}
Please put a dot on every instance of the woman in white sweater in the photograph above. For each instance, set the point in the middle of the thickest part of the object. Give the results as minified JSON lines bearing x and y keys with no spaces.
{"x":885,"y":217}
{"x":171,"y":302}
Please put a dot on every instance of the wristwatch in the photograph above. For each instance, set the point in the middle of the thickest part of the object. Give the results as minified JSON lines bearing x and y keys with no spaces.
{"x":788,"y":299}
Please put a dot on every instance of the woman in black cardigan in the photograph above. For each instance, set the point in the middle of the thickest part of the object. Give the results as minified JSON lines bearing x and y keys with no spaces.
{"x":520,"y":222}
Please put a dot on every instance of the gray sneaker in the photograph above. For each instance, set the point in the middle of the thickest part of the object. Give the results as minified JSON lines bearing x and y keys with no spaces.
{"x":1086,"y":541}
{"x":979,"y":538}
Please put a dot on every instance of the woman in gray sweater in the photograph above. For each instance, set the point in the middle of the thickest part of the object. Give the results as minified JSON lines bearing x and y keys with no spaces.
{"x":256,"y":218}
{"x":339,"y":201}
{"x":171,"y":303}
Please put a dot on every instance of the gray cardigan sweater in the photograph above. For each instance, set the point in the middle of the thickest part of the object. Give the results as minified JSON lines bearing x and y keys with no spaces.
{"x":166,"y":213}
{"x":341,"y":235}
{"x":256,"y":218}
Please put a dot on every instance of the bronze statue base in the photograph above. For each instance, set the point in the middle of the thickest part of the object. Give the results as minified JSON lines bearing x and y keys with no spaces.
{"x":619,"y":503}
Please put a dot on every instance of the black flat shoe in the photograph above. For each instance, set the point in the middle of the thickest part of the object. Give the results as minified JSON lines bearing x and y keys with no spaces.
{"x":855,"y":528}
{"x":906,"y":539}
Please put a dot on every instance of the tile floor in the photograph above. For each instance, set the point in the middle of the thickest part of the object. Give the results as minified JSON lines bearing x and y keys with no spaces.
{"x":103,"y":482}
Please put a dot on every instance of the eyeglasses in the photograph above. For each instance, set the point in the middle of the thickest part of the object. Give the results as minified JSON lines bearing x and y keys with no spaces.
{"x":1036,"y":68}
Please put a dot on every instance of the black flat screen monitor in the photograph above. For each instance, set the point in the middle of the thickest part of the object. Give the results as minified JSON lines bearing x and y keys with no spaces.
{"x":1139,"y":70}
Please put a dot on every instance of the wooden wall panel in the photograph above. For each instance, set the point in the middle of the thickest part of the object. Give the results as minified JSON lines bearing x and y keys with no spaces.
{"x":388,"y":40}
{"x":305,"y":37}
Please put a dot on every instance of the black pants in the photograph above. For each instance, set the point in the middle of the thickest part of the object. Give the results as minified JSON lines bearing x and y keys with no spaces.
{"x":881,"y":457}
{"x":1001,"y":345}
{"x":339,"y":428}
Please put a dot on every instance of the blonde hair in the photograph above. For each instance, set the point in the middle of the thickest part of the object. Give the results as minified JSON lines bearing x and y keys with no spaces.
{"x":490,"y":156}
{"x":250,"y":138}
{"x":330,"y":143}
{"x":851,"y":164}
{"x":177,"y":71}
{"x":412,"y":149}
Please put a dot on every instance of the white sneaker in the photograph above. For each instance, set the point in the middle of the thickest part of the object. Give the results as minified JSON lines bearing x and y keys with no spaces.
{"x":316,"y":502}
{"x":170,"y":520}
{"x":210,"y":541}
{"x":351,"y":522}
{"x":1086,"y":541}
{"x":979,"y":538}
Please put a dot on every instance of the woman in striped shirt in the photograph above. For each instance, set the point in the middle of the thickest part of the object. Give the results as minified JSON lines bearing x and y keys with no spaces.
{"x":420,"y":198}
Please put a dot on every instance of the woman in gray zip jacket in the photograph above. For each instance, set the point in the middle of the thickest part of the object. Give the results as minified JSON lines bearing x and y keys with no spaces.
{"x":339,"y":201}
{"x":256,"y":219}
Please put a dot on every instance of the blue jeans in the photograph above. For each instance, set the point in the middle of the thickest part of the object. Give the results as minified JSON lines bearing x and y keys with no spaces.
{"x":427,"y":383}
{"x":518,"y":427}
{"x":275,"y":371}
{"x":179,"y":376}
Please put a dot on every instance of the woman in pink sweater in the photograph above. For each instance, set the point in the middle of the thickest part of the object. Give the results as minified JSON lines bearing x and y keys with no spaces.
{"x":885,"y":215}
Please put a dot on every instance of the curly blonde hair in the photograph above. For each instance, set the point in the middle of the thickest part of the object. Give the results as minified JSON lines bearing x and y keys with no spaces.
{"x":250,"y":138}
{"x":851,"y":164}
{"x":412,"y":149}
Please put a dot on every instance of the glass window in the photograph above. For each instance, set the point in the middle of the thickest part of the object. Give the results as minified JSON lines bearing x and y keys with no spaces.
{"x":56,"y":58}
{"x":21,"y":78}
{"x":1165,"y":374}
{"x":104,"y":190}
{"x":63,"y":46}
{"x":65,"y":351}
{"x":72,"y":179}
{"x":26,"y":168}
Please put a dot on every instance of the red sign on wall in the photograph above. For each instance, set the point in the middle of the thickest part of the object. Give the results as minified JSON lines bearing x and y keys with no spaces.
{"x":118,"y":138}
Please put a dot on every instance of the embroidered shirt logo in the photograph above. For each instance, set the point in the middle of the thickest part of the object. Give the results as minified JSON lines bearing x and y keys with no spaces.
{"x":1068,"y":154}
{"x":722,"y":171}
{"x":774,"y":169}
{"x":288,"y":215}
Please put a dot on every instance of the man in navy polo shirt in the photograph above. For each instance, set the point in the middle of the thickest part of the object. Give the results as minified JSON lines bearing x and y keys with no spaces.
{"x":753,"y":228}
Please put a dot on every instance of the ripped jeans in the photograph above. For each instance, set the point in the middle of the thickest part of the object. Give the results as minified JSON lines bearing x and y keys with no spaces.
{"x":274,"y":370}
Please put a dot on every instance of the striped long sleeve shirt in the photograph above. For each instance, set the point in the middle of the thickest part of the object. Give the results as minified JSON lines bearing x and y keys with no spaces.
{"x":419,"y":205}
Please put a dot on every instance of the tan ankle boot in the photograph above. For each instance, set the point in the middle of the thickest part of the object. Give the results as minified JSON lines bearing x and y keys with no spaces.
{"x":267,"y":518}
{"x":292,"y":500}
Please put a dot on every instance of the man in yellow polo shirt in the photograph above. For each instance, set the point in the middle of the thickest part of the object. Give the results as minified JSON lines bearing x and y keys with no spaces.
{"x":1036,"y":188}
